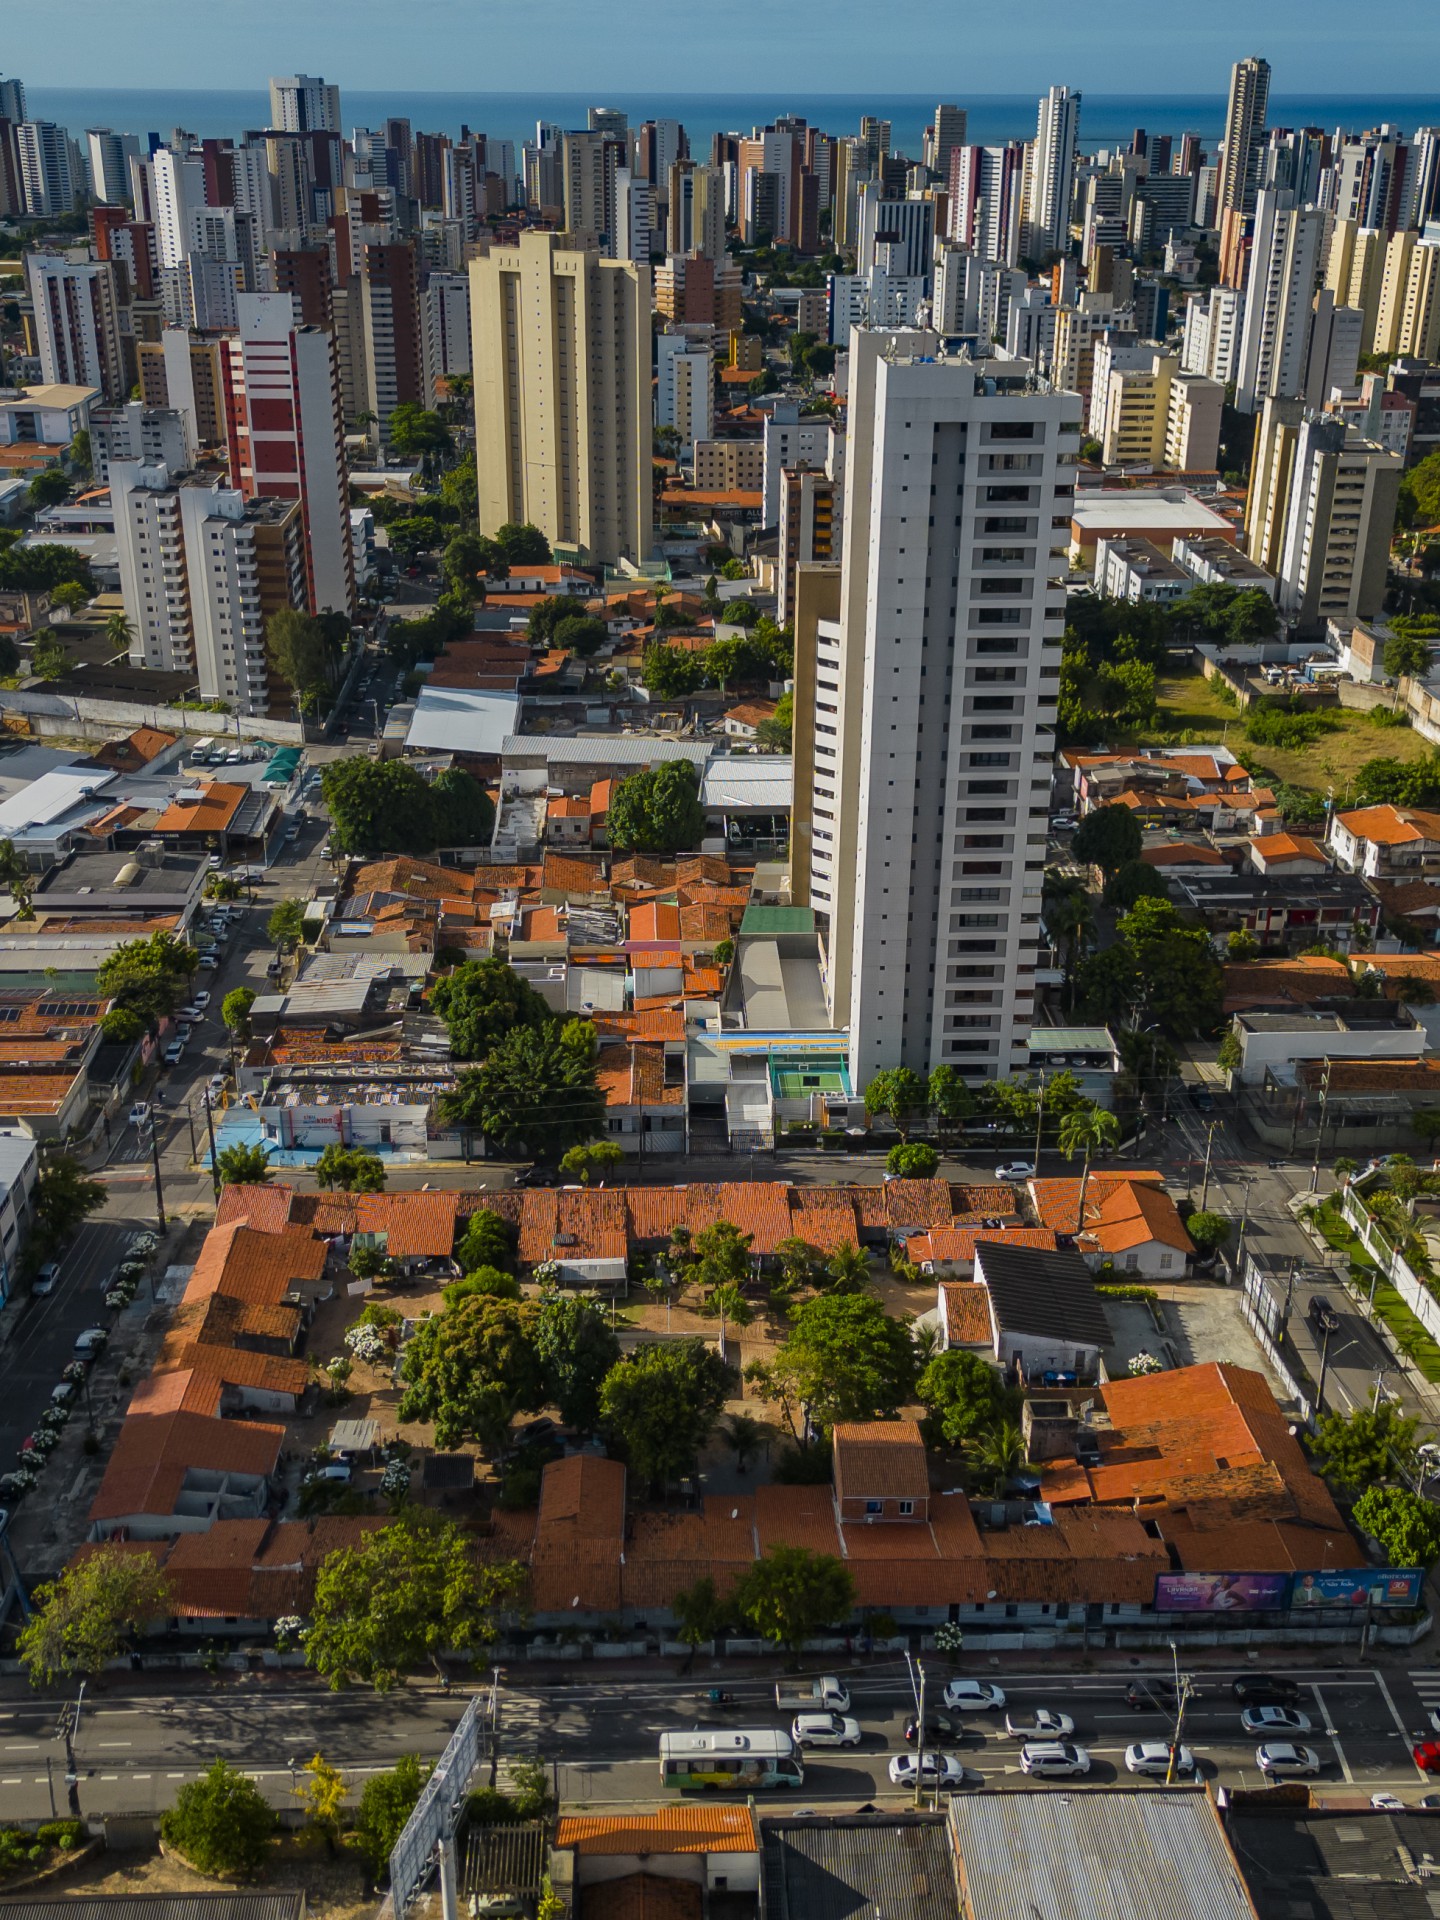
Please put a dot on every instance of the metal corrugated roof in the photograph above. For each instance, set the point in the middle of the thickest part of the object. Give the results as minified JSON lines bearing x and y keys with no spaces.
{"x":154,"y":1906}
{"x":1131,"y":1854}
{"x":604,"y":749}
{"x":895,"y":1866}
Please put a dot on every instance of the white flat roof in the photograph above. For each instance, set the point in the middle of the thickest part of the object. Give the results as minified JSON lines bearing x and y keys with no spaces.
{"x":601,"y":749}
{"x":763,"y":780}
{"x":462,"y":720}
{"x":1139,"y":510}
{"x":50,"y":797}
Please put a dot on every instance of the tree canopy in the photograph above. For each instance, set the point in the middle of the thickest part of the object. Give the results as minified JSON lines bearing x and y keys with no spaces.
{"x":1362,"y":1448}
{"x":301,"y":652}
{"x":576,"y":1350}
{"x":387,"y":1801}
{"x":792,"y":1592}
{"x":1157,"y":962}
{"x":964,"y":1397}
{"x":221,"y":1824}
{"x":659,"y":1404}
{"x":845,"y":1359}
{"x":1406,"y":1525}
{"x":657,"y":810}
{"x":388,"y":806}
{"x":482,"y":1001}
{"x":538,"y":1091}
{"x":1108,"y":838}
{"x":351,"y":1169}
{"x":410,"y":1592}
{"x":244,"y":1165}
{"x":472,"y":1368}
{"x":87,"y":1615}
{"x":670,"y":672}
{"x":150,"y":976}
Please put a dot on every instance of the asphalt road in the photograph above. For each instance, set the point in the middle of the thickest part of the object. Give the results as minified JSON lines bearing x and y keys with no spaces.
{"x":43,"y":1342}
{"x":133,"y":1749}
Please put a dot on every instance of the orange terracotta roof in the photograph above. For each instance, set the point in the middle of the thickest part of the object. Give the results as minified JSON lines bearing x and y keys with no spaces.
{"x":656,"y":920}
{"x":680,"y":1829}
{"x":955,"y":1246}
{"x":153,"y":1455}
{"x":1298,"y":981}
{"x":1182,"y":853}
{"x":880,"y":1460}
{"x":1057,"y":1202}
{"x":1391,"y":826}
{"x":1276,"y":849}
{"x":967,"y":1312}
{"x":249,"y":1265}
{"x":213,"y":812}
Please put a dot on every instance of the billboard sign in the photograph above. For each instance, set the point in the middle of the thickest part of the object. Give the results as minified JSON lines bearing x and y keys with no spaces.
{"x":1381,"y":1587}
{"x":1220,"y":1592}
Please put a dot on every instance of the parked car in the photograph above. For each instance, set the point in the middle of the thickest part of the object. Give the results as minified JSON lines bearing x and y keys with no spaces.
{"x":825,"y":1730}
{"x":201,"y":999}
{"x":1015,"y":1170}
{"x":1153,"y":1757}
{"x":62,"y":1395}
{"x":935,"y":1768}
{"x":1203,"y":1100}
{"x":1152,"y":1696}
{"x":1053,"y":1759}
{"x":1322,"y":1315}
{"x":973,"y":1696}
{"x":141,"y":1115}
{"x":91,"y":1341}
{"x":1283,"y":1760}
{"x":174,"y":1052}
{"x":209,"y":963}
{"x":44,"y":1281}
{"x":1264,"y":1720}
{"x":1256,"y":1689}
{"x":1039,"y":1724}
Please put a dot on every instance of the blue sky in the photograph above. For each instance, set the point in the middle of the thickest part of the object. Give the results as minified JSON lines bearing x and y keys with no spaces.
{"x":735,"y":46}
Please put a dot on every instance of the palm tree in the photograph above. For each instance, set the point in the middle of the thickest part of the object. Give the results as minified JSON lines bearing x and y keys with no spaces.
{"x":927,"y":1342}
{"x":1084,"y":1132}
{"x":119,"y":632}
{"x":847,"y":1269}
{"x":998,"y":1455}
{"x":746,"y":1436}
{"x":1069,"y":918}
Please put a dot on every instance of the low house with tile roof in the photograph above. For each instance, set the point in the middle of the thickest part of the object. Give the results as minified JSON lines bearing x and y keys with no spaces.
{"x":179,"y":1472}
{"x":1169,"y":857}
{"x":1385,"y":841}
{"x":646,"y":1102}
{"x":881,"y":1471}
{"x":1131,"y":1223}
{"x":1047,"y":1315}
{"x":1287,"y":853}
{"x":963,"y":1314}
{"x":949,"y":1252}
{"x":655,"y":1866}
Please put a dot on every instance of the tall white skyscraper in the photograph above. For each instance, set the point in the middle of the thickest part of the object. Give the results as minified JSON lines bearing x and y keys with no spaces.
{"x":446,"y":320}
{"x":109,"y":156}
{"x":77,"y":322}
{"x":1244,"y":135}
{"x":1285,"y":255}
{"x":304,"y":104}
{"x":46,"y":175}
{"x":935,"y":697}
{"x":1052,"y":175}
{"x":685,"y":390}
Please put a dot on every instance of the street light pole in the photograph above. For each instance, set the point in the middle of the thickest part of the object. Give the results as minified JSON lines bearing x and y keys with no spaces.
{"x":1039,"y":1118}
{"x":1320,"y":1128}
{"x":155,"y":1162}
{"x":1205,"y":1182}
{"x":1183,"y":1686}
{"x":210,"y":1130}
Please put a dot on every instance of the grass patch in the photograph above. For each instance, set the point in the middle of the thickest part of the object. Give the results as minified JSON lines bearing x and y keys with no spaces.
{"x":1409,"y":1333}
{"x":1189,"y":703}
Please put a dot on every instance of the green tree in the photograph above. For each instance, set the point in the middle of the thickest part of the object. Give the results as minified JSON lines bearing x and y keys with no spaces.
{"x":792,"y":1593}
{"x":1406,"y":1525}
{"x":778,"y":730}
{"x":964,"y":1397}
{"x":416,"y":430}
{"x":286,"y":923}
{"x":300,"y":653}
{"x":671,"y":673}
{"x":64,"y":1197}
{"x":1252,"y":616}
{"x":580,"y":633}
{"x":576,"y":1350}
{"x":1095,"y":1131}
{"x":1208,"y":1231}
{"x":121,"y":1027}
{"x":221,"y":1823}
{"x":1419,"y":504}
{"x":699,"y":1616}
{"x":537,"y":1092}
{"x":997,"y":1455}
{"x":1108,"y":838}
{"x":458,"y":490}
{"x":547,"y":613}
{"x":48,"y":488}
{"x":1364,"y":1447}
{"x":846,"y":1271}
{"x":596,"y":1156}
{"x":659,"y":1405}
{"x":243,"y":1166}
{"x":407,"y":1594}
{"x":523,"y":545}
{"x":951,"y":1099}
{"x":351,"y":1169}
{"x":49,"y":660}
{"x":86,"y":1616}
{"x":486,"y":1242}
{"x":387,"y":1801}
{"x":467,"y":556}
{"x":235,"y":1011}
{"x":483,"y":1001}
{"x":899,"y":1094}
{"x":1134,"y":881}
{"x":322,"y":1795}
{"x":387,"y":806}
{"x":1241,"y":944}
{"x":151,"y":976}
{"x":658,"y":810}
{"x":464,"y":813}
{"x":912,"y":1161}
{"x":80,"y":455}
{"x":70,"y":596}
{"x":844,"y":1359}
{"x":471,"y":1369}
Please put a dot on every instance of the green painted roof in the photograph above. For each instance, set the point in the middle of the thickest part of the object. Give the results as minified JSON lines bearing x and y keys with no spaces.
{"x":764,"y":922}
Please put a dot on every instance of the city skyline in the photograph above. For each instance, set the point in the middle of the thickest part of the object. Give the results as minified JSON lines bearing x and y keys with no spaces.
{"x":96,"y":44}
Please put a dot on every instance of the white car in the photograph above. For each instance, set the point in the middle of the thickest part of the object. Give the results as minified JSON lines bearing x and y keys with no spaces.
{"x":44,"y":1281}
{"x":938,"y":1767}
{"x":825,"y":1730}
{"x":1153,"y":1757}
{"x":1054,"y":1758}
{"x":1387,"y":1803}
{"x":973,"y":1696}
{"x":1015,"y":1170}
{"x":62,"y":1395}
{"x":1282,"y":1759}
{"x":201,"y":999}
{"x":1041,"y":1724}
{"x":140,"y":1115}
{"x":1264,"y":1720}
{"x":90,"y":1341}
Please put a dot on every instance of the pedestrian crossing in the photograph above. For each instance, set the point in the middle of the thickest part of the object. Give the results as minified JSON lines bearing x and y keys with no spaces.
{"x":1426,"y":1682}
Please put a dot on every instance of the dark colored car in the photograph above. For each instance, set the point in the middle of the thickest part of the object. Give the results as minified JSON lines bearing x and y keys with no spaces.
{"x":1203,"y":1100}
{"x":1323,"y":1316}
{"x":937,"y":1727}
{"x":1264,"y":1689}
{"x":1151,"y":1696}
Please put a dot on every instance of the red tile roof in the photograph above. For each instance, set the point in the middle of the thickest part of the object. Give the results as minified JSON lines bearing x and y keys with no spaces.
{"x":679,"y":1829}
{"x":880,"y":1460}
{"x":153,"y":1455}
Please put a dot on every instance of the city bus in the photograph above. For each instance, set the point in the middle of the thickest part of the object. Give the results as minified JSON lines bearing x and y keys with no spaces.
{"x":741,"y":1761}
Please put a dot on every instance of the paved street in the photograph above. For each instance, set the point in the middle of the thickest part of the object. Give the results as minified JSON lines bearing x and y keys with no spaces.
{"x":134,"y":1748}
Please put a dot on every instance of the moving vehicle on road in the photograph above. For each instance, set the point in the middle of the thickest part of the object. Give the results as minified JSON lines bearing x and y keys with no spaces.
{"x":741,"y":1760}
{"x":973,"y":1696}
{"x":44,"y":1281}
{"x":1053,"y":1759}
{"x":1283,"y":1760}
{"x":1267,"y":1720}
{"x":1322,"y":1315}
{"x":827,"y":1692}
{"x":1040,"y":1723}
{"x":1152,"y":1696}
{"x":140,"y":1115}
{"x":1153,"y":1757}
{"x":1264,"y":1689}
{"x":937,"y":1729}
{"x":825,"y":1730}
{"x":1013,"y":1171}
{"x":933,"y":1769}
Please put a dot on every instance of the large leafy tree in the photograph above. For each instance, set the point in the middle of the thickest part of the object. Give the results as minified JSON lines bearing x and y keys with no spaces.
{"x":243,"y":1166}
{"x":387,"y":1801}
{"x":149,"y":976}
{"x":1364,"y":1447}
{"x":408,"y":1594}
{"x":300,"y":652}
{"x":657,"y":810}
{"x":416,"y":430}
{"x":64,"y":1196}
{"x":351,"y":1169}
{"x":1405,"y":1523}
{"x":899,"y":1094}
{"x":286,"y":923}
{"x":845,"y":1359}
{"x":387,"y":806}
{"x":790,"y":1594}
{"x":581,"y":633}
{"x":1180,"y":975}
{"x":660,"y":1403}
{"x":467,"y":556}
{"x":235,"y":1011}
{"x":481,"y":1002}
{"x":87,"y":1616}
{"x":523,"y":544}
{"x":964,"y":1397}
{"x":472,"y":1368}
{"x":576,"y":1350}
{"x":220,"y":1823}
{"x":537,"y":1092}
{"x":1109,"y":838}
{"x":486,"y":1242}
{"x":671,"y":673}
{"x":1420,"y":494}
{"x":33,"y":569}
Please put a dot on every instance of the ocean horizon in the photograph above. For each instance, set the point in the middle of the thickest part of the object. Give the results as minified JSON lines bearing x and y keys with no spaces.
{"x":1105,"y":119}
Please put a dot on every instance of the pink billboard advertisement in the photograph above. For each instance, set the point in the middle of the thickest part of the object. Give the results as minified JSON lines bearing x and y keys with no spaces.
{"x":1220,"y":1592}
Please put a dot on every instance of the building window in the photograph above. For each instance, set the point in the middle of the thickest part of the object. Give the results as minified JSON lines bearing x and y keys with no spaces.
{"x":907,"y":1507}
{"x":874,"y":1506}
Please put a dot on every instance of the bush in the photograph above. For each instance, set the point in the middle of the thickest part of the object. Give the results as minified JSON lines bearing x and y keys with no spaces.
{"x":912,"y":1160}
{"x":64,"y":1834}
{"x":220,"y":1822}
{"x":811,"y":1466}
{"x":1269,"y":727}
{"x":1147,"y":1294}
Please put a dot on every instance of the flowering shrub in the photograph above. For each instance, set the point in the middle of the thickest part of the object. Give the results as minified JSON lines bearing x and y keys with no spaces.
{"x":949,"y":1638}
{"x":395,"y":1481}
{"x":367,"y":1344}
{"x":289,"y":1629}
{"x":1142,"y":1363}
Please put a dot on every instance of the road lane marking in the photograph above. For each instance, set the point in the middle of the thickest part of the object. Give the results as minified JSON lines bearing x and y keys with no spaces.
{"x":23,"y":1746}
{"x":1334,"y":1739}
{"x":115,"y":1743}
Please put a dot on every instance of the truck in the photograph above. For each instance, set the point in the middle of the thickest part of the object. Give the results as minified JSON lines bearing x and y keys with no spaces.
{"x":826,"y":1692}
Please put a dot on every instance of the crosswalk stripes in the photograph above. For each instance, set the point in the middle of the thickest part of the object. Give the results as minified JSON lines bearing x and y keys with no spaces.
{"x":1426,"y":1683}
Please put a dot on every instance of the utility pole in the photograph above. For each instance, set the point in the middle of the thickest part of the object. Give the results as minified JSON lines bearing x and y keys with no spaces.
{"x":1039,"y":1118}
{"x":1324,"y":1364}
{"x":1184,"y":1686}
{"x":155,"y":1162}
{"x":214,"y":1161}
{"x":920,"y":1733}
{"x":1320,"y":1129}
{"x":1205,"y":1182}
